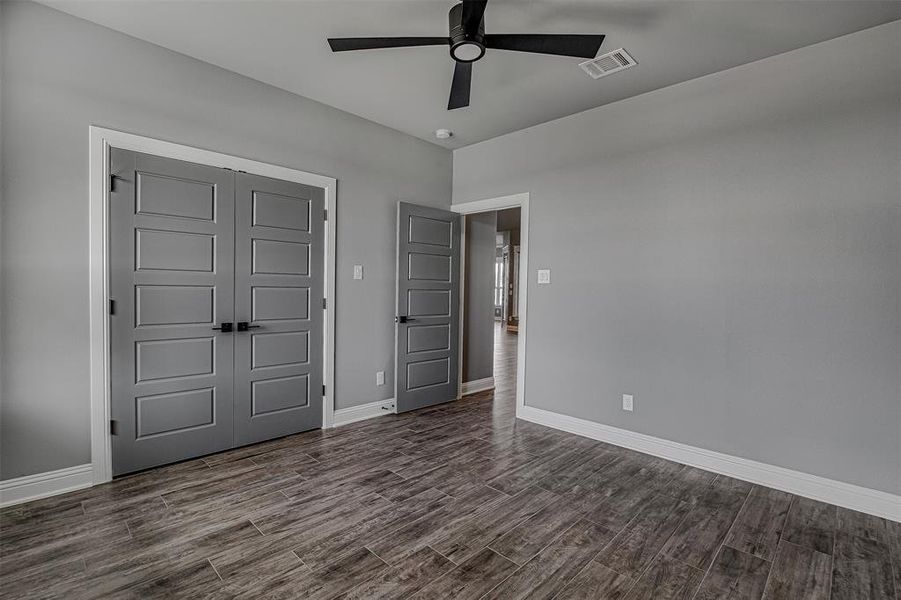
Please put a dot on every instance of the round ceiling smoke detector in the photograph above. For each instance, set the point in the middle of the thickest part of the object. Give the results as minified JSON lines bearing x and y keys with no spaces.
{"x":443,"y":134}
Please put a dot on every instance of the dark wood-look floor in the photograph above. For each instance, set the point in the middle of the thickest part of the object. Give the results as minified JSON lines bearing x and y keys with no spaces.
{"x":458,"y":501}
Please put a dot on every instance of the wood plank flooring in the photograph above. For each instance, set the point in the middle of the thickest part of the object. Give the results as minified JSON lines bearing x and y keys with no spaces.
{"x":457,"y":501}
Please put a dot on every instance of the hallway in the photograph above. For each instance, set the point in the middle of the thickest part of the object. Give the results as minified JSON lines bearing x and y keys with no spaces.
{"x":503,"y":396}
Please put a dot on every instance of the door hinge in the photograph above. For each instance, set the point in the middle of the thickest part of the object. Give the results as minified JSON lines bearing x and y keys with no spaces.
{"x":112,"y":306}
{"x":113,"y":427}
{"x":325,"y":214}
{"x":324,"y":303}
{"x":112,"y":183}
{"x":323,"y":389}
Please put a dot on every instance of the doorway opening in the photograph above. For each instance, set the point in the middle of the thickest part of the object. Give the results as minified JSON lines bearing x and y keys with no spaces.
{"x":506,"y":302}
{"x":490,"y":304}
{"x":493,"y":301}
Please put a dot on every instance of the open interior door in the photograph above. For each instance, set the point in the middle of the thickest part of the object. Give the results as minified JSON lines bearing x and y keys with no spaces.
{"x":428,"y":306}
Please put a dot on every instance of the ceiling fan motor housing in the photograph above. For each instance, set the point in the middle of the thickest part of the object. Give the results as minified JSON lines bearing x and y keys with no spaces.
{"x":464,"y":47}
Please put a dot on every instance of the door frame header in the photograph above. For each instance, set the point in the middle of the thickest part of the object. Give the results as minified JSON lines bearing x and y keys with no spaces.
{"x":101,"y":140}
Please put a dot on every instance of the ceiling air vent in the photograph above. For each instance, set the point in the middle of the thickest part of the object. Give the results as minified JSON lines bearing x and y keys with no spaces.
{"x":607,"y":64}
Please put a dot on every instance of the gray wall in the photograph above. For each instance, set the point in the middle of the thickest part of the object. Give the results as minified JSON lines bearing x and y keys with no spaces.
{"x":478,"y":311}
{"x":729,"y":251}
{"x":508,"y":220}
{"x":60,"y":75}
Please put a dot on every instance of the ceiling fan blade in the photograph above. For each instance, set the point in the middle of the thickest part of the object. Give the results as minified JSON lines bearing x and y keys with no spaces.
{"x":345,"y":44}
{"x":583,"y":46}
{"x":459,"y":94}
{"x":473,"y":11}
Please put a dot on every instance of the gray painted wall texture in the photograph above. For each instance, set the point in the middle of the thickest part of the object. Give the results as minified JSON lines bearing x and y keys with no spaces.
{"x":60,"y":75}
{"x":478,"y":311}
{"x":728,"y":250}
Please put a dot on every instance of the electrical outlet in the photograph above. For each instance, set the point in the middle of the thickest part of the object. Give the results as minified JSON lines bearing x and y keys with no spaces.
{"x":544,"y":276}
{"x":358,"y":271}
{"x":627,"y":402}
{"x":380,"y":378}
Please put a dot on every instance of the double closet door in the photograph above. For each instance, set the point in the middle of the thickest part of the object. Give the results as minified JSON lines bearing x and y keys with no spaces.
{"x":216,"y":282}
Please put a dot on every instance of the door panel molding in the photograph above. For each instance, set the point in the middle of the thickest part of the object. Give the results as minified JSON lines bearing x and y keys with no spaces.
{"x":153,"y":368}
{"x":198,"y":405}
{"x":427,"y":286}
{"x":278,"y":284}
{"x":101,"y":141}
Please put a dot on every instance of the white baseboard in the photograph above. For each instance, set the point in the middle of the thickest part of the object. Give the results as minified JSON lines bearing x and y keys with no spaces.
{"x":52,"y":483}
{"x":843,"y":494}
{"x":344,"y":416}
{"x":42,"y":485}
{"x":477,"y":385}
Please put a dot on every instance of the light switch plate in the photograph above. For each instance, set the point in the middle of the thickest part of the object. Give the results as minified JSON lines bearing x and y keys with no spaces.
{"x":380,"y":378}
{"x":544,"y":276}
{"x":628,"y":402}
{"x":358,"y":271}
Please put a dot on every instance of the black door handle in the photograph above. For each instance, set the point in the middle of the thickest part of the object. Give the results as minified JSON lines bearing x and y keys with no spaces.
{"x":403,"y":319}
{"x":244,"y":326}
{"x":224,"y":328}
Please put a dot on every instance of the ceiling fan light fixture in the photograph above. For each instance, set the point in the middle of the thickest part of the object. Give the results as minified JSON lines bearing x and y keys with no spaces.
{"x":467,"y":51}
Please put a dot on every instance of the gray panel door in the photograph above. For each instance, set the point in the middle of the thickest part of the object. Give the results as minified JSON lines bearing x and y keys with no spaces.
{"x":279,"y":291}
{"x":172,"y":281}
{"x":428,"y":302}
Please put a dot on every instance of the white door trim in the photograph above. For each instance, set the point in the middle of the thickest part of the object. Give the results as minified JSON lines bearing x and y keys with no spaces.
{"x":520,"y":201}
{"x":101,"y":140}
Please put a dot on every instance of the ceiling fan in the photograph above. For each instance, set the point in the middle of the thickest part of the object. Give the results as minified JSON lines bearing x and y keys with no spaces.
{"x":468,"y":41}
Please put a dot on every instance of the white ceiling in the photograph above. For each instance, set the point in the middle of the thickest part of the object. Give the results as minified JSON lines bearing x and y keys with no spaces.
{"x":283,"y":43}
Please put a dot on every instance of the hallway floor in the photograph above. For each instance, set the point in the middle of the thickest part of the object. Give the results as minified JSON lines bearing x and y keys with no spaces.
{"x":457,"y":501}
